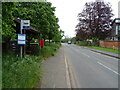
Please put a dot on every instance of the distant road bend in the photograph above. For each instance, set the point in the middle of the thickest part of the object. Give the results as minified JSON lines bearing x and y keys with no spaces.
{"x":90,"y":69}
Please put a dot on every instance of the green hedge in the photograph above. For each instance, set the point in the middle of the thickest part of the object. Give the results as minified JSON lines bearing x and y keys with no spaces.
{"x":88,"y":43}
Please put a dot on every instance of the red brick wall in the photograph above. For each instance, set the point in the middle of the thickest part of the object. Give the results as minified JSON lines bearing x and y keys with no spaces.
{"x":110,"y":44}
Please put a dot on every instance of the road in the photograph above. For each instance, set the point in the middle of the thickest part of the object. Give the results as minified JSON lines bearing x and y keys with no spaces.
{"x":91,"y":69}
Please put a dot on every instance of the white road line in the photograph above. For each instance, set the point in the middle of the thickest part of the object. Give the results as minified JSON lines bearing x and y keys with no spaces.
{"x":54,"y":86}
{"x":108,"y":68}
{"x":77,"y":50}
{"x":95,"y":53}
{"x":67,"y":74}
{"x":85,"y":54}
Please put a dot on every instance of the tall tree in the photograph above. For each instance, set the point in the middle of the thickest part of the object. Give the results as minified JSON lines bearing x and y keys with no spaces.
{"x":95,"y":20}
{"x":8,"y":20}
{"x":0,"y":22}
{"x":58,"y":36}
{"x":41,"y":15}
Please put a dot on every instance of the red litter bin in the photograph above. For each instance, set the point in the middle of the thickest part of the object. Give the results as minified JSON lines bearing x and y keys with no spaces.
{"x":42,"y":43}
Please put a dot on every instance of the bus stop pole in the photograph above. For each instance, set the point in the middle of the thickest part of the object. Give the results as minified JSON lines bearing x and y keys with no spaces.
{"x":21,"y":49}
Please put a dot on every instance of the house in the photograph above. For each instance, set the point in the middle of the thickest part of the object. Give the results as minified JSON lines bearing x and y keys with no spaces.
{"x":115,"y":32}
{"x":113,"y":41}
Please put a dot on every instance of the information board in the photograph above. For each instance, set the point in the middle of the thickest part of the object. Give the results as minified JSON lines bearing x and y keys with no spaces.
{"x":21,"y":39}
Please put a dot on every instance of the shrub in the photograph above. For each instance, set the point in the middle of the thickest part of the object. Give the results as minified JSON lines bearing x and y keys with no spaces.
{"x":25,"y":72}
{"x":85,"y":43}
{"x":49,"y":49}
{"x":21,"y":73}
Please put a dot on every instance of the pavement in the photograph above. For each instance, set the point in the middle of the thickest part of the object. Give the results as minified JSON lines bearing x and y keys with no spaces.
{"x":105,"y":52}
{"x":80,"y":67}
{"x":55,"y":72}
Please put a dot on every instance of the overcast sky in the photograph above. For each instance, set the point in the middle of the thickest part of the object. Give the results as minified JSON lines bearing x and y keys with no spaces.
{"x":67,"y":11}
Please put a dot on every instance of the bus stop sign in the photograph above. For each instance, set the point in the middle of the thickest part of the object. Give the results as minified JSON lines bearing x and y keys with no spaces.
{"x":25,"y":24}
{"x":21,"y":39}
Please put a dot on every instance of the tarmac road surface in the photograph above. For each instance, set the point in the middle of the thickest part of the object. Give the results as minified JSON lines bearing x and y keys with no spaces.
{"x":91,"y":69}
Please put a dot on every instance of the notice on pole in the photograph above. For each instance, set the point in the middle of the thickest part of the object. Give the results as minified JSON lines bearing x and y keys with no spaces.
{"x":21,"y":39}
{"x":25,"y":24}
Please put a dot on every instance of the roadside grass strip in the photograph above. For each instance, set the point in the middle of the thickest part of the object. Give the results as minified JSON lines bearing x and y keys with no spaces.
{"x":105,"y":49}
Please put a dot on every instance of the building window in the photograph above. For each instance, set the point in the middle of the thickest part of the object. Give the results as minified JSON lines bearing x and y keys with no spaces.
{"x":117,"y":29}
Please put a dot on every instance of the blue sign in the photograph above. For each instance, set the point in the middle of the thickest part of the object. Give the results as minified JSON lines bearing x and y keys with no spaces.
{"x":21,"y":39}
{"x":26,"y":27}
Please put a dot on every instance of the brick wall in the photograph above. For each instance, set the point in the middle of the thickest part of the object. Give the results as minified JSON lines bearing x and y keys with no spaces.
{"x":110,"y":44}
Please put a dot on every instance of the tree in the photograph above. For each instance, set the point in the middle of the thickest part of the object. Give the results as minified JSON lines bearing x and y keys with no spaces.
{"x":41,"y":15}
{"x":0,"y":22}
{"x":95,"y":21}
{"x":58,"y":36}
{"x":81,"y":35}
{"x":8,"y":20}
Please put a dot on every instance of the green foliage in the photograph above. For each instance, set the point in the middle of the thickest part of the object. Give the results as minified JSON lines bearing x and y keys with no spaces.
{"x":58,"y":36}
{"x":91,"y":42}
{"x":0,"y":23}
{"x":7,"y":20}
{"x":41,"y":15}
{"x":26,"y":72}
{"x":49,"y":50}
{"x":21,"y":73}
{"x":84,"y":43}
{"x":95,"y":41}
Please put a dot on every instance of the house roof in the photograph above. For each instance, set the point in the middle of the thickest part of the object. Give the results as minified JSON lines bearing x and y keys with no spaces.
{"x":114,"y":21}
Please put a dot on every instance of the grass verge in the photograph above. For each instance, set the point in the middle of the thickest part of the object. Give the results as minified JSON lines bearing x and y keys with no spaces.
{"x":105,"y":49}
{"x":26,"y":72}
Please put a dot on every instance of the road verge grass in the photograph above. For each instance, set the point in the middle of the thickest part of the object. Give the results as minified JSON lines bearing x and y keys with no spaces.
{"x":101,"y":48}
{"x":105,"y":49}
{"x":26,"y":72}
